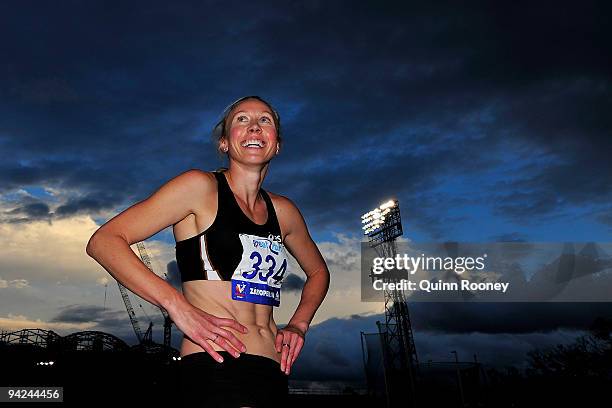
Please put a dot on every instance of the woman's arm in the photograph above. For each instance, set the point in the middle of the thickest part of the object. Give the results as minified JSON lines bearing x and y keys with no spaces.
{"x":110,"y":247}
{"x":110,"y":244}
{"x":114,"y":254}
{"x":304,"y":250}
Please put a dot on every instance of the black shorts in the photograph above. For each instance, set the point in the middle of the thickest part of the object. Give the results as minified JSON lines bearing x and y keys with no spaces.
{"x":247,"y":381}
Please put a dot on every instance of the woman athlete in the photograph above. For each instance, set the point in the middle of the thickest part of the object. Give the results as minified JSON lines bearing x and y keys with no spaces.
{"x":230,"y":238}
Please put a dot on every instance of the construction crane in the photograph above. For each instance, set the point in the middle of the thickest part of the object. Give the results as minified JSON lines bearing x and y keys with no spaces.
{"x":148,"y":336}
{"x":130,"y":310}
{"x":144,"y":255}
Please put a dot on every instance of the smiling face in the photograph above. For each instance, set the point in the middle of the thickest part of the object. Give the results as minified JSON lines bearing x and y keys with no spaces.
{"x":251,"y":132}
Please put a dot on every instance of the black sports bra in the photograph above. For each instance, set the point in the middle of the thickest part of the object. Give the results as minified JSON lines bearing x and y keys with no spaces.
{"x":235,"y":248}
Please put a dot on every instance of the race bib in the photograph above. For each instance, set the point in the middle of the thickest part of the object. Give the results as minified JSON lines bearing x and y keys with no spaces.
{"x":257,"y":279}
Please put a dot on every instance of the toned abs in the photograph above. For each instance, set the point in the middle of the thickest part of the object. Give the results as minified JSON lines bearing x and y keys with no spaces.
{"x":214,"y":297}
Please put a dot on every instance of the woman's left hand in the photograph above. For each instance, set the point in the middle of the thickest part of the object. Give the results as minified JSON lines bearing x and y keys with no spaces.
{"x":289,"y":342}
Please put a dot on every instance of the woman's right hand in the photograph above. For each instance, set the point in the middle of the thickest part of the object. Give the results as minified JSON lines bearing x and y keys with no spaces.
{"x":203,"y":328}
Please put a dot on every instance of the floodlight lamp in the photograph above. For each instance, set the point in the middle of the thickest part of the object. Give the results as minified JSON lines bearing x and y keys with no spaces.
{"x":388,"y":204}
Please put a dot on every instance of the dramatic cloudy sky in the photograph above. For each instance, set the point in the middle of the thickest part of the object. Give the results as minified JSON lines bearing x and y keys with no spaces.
{"x":488,"y":122}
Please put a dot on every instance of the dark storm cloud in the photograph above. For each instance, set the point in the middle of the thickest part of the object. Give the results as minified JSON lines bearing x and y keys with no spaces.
{"x":322,"y":358}
{"x":28,"y":212}
{"x":89,"y":313}
{"x":499,"y":334}
{"x":174,"y":275}
{"x":517,"y":317}
{"x":510,"y":237}
{"x":115,"y":322}
{"x":85,"y":205}
{"x":293,"y":283}
{"x":375,"y":100}
{"x":331,"y":351}
{"x":605,"y":217}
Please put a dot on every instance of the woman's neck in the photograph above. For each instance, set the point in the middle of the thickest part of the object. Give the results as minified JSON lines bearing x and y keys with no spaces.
{"x":245,"y":183}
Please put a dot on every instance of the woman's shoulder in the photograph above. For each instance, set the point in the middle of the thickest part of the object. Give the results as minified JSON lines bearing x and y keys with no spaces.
{"x":278,"y":199}
{"x":198,"y":175}
{"x":289,"y":216}
{"x":198,"y":179}
{"x":282,"y":203}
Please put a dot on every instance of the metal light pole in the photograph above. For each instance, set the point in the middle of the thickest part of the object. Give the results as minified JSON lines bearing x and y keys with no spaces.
{"x":382,"y":226}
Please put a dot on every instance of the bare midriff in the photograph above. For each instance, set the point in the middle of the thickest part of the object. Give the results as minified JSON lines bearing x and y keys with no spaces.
{"x":214,"y":297}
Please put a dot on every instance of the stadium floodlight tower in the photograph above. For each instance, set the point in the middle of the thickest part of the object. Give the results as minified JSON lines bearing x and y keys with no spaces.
{"x":382,"y":226}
